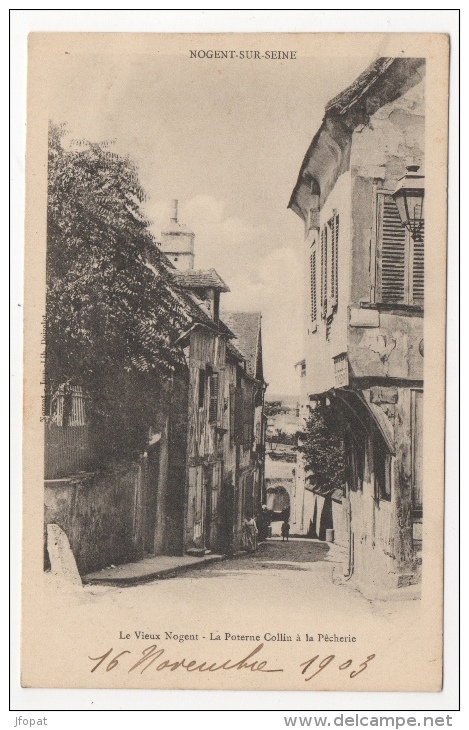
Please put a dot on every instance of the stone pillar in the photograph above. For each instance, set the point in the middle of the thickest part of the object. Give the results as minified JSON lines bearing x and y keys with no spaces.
{"x":62,"y":560}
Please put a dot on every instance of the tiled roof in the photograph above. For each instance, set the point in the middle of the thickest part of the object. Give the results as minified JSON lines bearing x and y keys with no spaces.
{"x":199,"y":279}
{"x":230,"y":347}
{"x":246,"y":327}
{"x":382,"y":82}
{"x":194,"y":310}
{"x":360,"y":86}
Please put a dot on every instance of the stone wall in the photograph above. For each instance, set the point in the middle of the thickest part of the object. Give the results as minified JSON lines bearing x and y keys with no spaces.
{"x":99,"y":514}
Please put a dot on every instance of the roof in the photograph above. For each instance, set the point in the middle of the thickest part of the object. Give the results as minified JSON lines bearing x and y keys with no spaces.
{"x":200,"y":279}
{"x":247,"y":328}
{"x":194,"y":309}
{"x":233,"y":350}
{"x":382,"y":82}
{"x":361,"y":86}
{"x":190,"y":305}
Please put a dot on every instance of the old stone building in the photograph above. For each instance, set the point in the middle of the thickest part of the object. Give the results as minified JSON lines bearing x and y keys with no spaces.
{"x":244,"y":447}
{"x":363,"y":320}
{"x":201,"y":469}
{"x":225,"y":439}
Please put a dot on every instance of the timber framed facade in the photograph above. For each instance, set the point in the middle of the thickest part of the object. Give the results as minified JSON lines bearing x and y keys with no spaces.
{"x":202,"y":469}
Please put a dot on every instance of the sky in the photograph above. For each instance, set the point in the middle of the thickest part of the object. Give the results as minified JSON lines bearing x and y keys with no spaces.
{"x":226,"y":138}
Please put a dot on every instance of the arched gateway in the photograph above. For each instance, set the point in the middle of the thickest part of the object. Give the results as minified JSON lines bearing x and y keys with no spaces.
{"x":278,"y":502}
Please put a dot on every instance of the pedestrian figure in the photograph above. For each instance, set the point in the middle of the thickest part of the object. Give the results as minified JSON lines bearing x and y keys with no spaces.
{"x":285,"y":530}
{"x":263,"y":523}
{"x":250,"y":534}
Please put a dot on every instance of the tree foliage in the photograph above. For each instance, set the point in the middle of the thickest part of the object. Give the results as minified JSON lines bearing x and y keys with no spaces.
{"x":109,"y":316}
{"x":273,"y":408}
{"x":282,"y":437}
{"x":322,"y":447}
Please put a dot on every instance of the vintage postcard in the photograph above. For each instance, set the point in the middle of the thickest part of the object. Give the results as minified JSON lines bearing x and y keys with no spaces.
{"x":234,"y":361}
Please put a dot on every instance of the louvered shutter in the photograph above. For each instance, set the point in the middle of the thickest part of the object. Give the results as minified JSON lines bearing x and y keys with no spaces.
{"x":335,"y":261}
{"x":232,"y":412}
{"x":239,"y":415}
{"x":248,"y":417}
{"x":324,"y":271}
{"x":391,"y":253}
{"x":314,"y":302}
{"x":418,"y":271}
{"x":213,"y":408}
{"x":201,"y":391}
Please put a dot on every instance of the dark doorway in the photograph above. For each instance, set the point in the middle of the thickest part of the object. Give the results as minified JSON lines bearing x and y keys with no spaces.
{"x":312,"y":531}
{"x":151,"y":497}
{"x":417,"y":468}
{"x":208,"y":485}
{"x":227,"y":515}
{"x":326,"y":522}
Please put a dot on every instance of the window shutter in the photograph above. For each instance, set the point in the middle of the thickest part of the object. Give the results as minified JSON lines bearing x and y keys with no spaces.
{"x":213,"y":408}
{"x":239,"y":406}
{"x":314,"y":303}
{"x":334,"y":260}
{"x":391,"y":252}
{"x":400,"y":259}
{"x":201,"y":392}
{"x":248,"y":417}
{"x":418,"y":271}
{"x":232,"y":412}
{"x":324,"y":271}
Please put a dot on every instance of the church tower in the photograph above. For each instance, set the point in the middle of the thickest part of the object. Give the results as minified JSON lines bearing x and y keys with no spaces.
{"x":177,"y":242}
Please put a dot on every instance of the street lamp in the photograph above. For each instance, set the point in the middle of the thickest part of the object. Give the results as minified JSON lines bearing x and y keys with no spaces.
{"x":409,"y":196}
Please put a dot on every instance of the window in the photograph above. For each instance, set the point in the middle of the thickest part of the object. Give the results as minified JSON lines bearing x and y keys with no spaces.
{"x":324,"y":271}
{"x":329,"y":271}
{"x":69,"y":406}
{"x":355,"y":448}
{"x":382,"y":469}
{"x":248,"y":417}
{"x":213,"y":407}
{"x":314,"y":218}
{"x":334,"y":280}
{"x":232,"y":413}
{"x":239,"y":416}
{"x":400,"y":259}
{"x":201,"y":388}
{"x":312,"y":271}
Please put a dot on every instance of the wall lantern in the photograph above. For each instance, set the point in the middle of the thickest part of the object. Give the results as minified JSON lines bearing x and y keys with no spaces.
{"x":409,"y":196}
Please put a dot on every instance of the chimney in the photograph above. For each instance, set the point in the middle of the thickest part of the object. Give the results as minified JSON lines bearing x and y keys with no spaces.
{"x":174,"y":211}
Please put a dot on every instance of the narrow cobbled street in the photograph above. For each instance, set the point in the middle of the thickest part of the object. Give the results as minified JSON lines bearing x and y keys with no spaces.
{"x":265,"y":594}
{"x":287,"y":600}
{"x":300,"y":575}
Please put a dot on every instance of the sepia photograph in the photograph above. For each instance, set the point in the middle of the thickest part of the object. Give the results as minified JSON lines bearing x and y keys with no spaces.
{"x":234,"y":432}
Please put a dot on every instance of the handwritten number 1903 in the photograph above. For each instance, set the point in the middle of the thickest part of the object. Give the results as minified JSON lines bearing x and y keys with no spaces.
{"x":328,"y":659}
{"x":113,"y":663}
